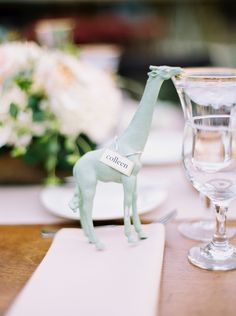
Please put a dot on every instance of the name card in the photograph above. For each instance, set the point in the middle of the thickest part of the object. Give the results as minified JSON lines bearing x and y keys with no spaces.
{"x":117,"y":162}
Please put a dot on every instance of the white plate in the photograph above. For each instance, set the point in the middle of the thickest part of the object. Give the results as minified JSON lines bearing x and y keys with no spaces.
{"x":108,"y":202}
{"x":163,"y":147}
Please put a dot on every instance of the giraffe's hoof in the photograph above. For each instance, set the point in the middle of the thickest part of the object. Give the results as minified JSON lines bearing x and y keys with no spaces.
{"x":142,"y":235}
{"x":99,"y":245}
{"x":131,"y":239}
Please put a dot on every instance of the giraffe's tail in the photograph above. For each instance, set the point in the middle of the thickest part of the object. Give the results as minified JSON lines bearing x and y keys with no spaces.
{"x":74,"y":202}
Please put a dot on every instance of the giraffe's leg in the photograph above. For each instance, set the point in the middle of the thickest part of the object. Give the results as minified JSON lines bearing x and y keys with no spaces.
{"x":87,"y":207}
{"x":135,"y":216}
{"x":128,"y":185}
{"x":98,"y":244}
{"x":83,"y":222}
{"x":76,"y":203}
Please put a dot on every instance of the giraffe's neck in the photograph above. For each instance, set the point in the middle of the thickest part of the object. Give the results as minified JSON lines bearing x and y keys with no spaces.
{"x":136,"y":134}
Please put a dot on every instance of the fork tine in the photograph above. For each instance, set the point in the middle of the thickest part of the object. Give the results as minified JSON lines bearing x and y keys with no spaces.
{"x":166,"y":218}
{"x":47,"y":233}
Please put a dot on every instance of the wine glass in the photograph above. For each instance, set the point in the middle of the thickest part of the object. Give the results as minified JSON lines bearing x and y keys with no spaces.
{"x":209,"y":153}
{"x":202,"y":230}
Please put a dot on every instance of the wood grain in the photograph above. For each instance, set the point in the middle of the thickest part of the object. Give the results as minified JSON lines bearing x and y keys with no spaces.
{"x":188,"y":290}
{"x":22,"y":249}
{"x":185,"y":289}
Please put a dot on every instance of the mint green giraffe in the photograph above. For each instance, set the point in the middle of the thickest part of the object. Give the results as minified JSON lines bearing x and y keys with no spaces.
{"x":88,"y":170}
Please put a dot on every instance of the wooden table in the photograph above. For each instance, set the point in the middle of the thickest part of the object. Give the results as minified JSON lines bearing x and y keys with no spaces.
{"x":185,"y":289}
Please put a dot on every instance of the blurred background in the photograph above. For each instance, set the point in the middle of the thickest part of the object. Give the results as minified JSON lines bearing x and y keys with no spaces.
{"x":173,"y":32}
{"x":124,"y":37}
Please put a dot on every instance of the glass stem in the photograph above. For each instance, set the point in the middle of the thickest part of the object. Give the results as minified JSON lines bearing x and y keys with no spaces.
{"x":220,"y":239}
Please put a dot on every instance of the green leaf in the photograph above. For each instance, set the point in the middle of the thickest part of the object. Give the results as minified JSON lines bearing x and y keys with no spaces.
{"x":36,"y":152}
{"x":70,"y":143}
{"x":50,"y":163}
{"x":53,"y":145}
{"x":24,"y":80}
{"x":18,"y":151}
{"x":34,"y":100}
{"x":53,"y":150}
{"x":23,"y":83}
{"x":41,"y":148}
{"x":52,"y":180}
{"x":14,"y":110}
{"x":38,"y":116}
{"x":71,"y":159}
{"x":85,"y":144}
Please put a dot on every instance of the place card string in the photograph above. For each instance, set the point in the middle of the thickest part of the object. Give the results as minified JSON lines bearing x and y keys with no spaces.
{"x":125,"y":155}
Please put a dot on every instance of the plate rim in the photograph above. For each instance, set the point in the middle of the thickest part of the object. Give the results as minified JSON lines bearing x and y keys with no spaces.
{"x":44,"y":191}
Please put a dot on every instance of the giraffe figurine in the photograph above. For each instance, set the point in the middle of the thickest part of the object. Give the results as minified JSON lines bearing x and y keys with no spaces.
{"x":89,"y":169}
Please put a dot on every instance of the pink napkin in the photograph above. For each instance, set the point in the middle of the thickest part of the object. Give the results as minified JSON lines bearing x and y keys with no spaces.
{"x":75,"y":279}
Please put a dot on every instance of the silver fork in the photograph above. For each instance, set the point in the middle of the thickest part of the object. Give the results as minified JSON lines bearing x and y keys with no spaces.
{"x":166,"y":218}
{"x":47,"y":233}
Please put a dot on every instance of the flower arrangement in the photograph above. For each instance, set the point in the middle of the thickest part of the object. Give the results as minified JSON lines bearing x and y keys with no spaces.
{"x":53,"y":107}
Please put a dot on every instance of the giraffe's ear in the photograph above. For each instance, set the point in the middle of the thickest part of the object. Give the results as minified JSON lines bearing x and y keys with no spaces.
{"x":152,"y":74}
{"x":176,"y":71}
{"x":155,"y":70}
{"x":151,"y":67}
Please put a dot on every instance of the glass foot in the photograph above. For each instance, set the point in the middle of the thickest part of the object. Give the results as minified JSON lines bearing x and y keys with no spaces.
{"x":202,"y":230}
{"x":209,"y":258}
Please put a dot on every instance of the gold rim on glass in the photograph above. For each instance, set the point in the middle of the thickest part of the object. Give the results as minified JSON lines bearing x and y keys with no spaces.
{"x":208,"y":73}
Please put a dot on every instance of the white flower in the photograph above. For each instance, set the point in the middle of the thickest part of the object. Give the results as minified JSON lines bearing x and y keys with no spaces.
{"x":83,"y":98}
{"x":5,"y":133}
{"x":12,"y":95}
{"x":21,"y":129}
{"x":16,"y":56}
{"x":20,"y":140}
{"x":10,"y":126}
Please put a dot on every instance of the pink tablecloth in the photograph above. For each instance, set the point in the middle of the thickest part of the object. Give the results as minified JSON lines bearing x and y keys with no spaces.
{"x":21,"y":205}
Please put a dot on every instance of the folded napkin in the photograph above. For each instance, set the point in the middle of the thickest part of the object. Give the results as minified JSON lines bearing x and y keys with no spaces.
{"x":76,"y":279}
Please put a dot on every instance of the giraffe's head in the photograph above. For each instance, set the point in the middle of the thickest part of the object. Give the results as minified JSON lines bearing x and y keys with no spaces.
{"x":164,"y":72}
